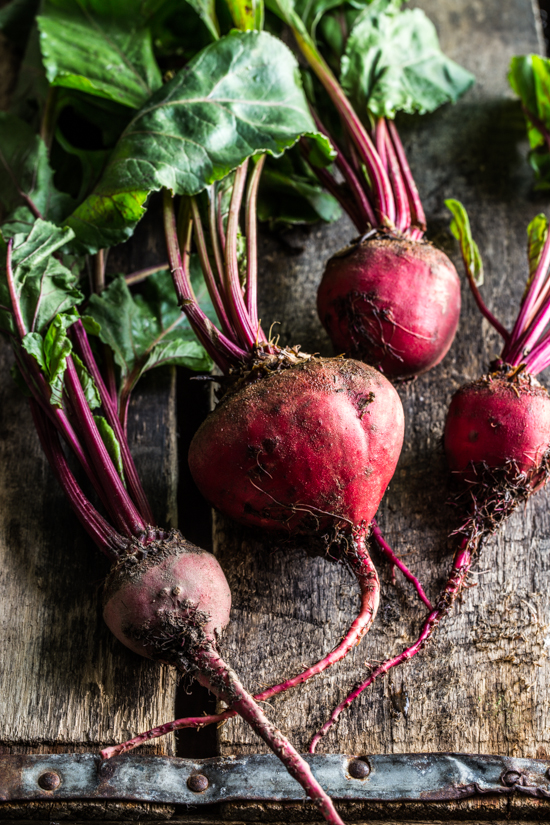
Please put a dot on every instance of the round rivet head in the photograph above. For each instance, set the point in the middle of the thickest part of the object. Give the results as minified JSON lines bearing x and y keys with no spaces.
{"x":359,"y":768}
{"x":197,"y":783}
{"x":49,"y":781}
{"x":511,"y":778}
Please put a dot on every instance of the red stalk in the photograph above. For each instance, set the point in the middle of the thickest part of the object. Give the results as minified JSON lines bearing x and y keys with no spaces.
{"x":222,"y":351}
{"x":461,"y":565}
{"x":211,"y":284}
{"x":130,"y":471}
{"x":251,"y":232}
{"x":101,"y":532}
{"x":531,"y":302}
{"x":403,"y":214}
{"x":418,"y":218}
{"x":119,"y":503}
{"x":237,"y":307}
{"x":223,"y":682}
{"x":394,"y":561}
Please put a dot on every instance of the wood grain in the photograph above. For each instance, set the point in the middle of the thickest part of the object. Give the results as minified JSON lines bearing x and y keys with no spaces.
{"x":482,"y":685}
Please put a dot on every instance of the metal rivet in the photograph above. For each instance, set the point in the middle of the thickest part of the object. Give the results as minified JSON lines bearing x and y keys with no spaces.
{"x":359,"y":768}
{"x":197,"y":782}
{"x":49,"y":781}
{"x":511,"y":778}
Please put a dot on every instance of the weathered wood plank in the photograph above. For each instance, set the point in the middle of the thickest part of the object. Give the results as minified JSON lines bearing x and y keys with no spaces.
{"x":482,"y":685}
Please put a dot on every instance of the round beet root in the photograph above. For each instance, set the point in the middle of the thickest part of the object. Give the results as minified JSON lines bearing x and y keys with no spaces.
{"x":302,"y":448}
{"x":500,"y":422}
{"x":165,"y":597}
{"x":393,"y":303}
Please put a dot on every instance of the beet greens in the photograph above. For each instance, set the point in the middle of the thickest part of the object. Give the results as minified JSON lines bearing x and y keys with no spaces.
{"x":390,"y":298}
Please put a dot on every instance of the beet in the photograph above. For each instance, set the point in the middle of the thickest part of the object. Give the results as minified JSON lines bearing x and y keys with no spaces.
{"x":302,"y":449}
{"x":500,"y":422}
{"x":394,"y":303}
{"x":167,"y":592}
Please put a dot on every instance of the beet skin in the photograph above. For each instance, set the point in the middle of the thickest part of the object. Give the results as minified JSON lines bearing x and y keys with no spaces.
{"x":497,"y":421}
{"x":302,"y":448}
{"x":393,"y":303}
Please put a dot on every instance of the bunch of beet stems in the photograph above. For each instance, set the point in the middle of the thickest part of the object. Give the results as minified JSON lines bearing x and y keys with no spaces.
{"x":389,"y":199}
{"x":376,"y":298}
{"x":235,"y":345}
{"x":129,"y":512}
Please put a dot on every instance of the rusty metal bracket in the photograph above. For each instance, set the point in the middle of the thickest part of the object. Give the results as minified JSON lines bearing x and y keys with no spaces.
{"x":429,"y":776}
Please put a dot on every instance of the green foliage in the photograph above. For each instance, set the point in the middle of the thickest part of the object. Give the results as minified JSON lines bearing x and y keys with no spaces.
{"x":291,"y":194}
{"x":393,"y":63}
{"x":26,"y":176}
{"x":529,"y":77}
{"x":111,"y":443}
{"x":44,"y":287}
{"x":145,"y":331}
{"x":460,"y":227}
{"x":240,"y":96}
{"x":206,"y":9}
{"x":537,"y":233}
{"x":51,"y":352}
{"x":99,"y":47}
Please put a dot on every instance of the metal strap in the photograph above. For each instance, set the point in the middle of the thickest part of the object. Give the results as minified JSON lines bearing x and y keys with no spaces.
{"x":440,"y":776}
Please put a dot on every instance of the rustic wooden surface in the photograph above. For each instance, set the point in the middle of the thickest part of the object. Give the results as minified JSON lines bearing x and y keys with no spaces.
{"x":482,"y":685}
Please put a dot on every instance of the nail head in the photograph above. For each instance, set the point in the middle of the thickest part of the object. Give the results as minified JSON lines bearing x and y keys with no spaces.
{"x":511,"y":778}
{"x":49,"y":781}
{"x":359,"y":768}
{"x":197,"y":783}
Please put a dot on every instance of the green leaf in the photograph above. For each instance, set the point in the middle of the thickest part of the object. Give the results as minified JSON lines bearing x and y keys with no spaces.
{"x":57,"y":348}
{"x":206,"y":9}
{"x":148,"y":330}
{"x":290,"y":194}
{"x":16,"y":19}
{"x":393,"y":63}
{"x":90,"y":325}
{"x":111,"y":443}
{"x":44,"y":287}
{"x":99,"y":47}
{"x":87,"y":383}
{"x":239,"y":96}
{"x":25,"y":174}
{"x":33,"y":343}
{"x":51,"y":353}
{"x":537,"y":232}
{"x":460,"y":227}
{"x":529,"y":77}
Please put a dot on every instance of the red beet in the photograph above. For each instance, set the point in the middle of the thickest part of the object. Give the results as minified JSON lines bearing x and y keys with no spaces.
{"x":302,"y":448}
{"x":162,"y":592}
{"x":500,"y":422}
{"x":394,"y":303}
